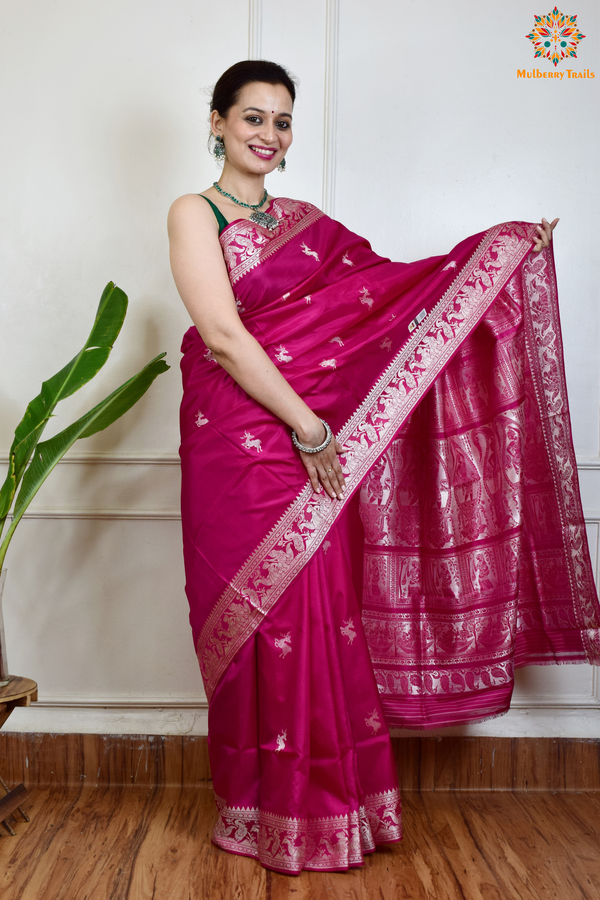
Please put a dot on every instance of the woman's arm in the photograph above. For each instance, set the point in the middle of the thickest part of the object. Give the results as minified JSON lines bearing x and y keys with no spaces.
{"x":202,"y":281}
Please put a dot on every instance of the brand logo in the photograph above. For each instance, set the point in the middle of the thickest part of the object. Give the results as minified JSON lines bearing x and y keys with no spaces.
{"x":571,"y":73}
{"x":555,"y":36}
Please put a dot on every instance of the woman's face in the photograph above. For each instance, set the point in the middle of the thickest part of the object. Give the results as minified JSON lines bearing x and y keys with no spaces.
{"x":258,"y":129}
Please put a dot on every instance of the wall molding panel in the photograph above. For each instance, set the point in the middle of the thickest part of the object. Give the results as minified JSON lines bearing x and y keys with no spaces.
{"x":113,"y":459}
{"x":169,"y":510}
{"x":566,"y":702}
{"x":254,"y":29}
{"x":588,"y":463}
{"x":135,"y":458}
{"x":166,"y":515}
{"x":144,"y":514}
{"x":129,"y":703}
{"x":330,"y":96}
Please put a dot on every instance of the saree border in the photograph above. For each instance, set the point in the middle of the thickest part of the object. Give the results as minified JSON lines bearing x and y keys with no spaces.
{"x":298,"y":534}
{"x":544,"y":348}
{"x":245,"y":245}
{"x":330,"y":842}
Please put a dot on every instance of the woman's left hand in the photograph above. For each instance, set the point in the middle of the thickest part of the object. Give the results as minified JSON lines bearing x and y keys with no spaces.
{"x":545,"y":238}
{"x":325,"y":470}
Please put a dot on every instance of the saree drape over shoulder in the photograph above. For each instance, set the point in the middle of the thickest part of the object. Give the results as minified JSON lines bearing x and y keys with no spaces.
{"x":458,"y":552}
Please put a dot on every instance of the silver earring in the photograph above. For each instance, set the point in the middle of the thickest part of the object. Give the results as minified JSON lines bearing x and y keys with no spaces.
{"x":281,"y":166}
{"x":219,"y":148}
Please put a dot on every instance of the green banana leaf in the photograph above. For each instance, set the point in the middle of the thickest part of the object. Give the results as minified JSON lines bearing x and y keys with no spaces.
{"x":48,"y":453}
{"x":82,"y":368}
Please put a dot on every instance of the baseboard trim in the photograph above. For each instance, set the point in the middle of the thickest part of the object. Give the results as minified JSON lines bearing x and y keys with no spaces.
{"x":424,"y":763}
{"x":574,"y":720}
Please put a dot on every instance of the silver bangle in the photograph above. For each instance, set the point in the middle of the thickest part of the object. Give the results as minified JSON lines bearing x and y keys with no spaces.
{"x":326,"y":442}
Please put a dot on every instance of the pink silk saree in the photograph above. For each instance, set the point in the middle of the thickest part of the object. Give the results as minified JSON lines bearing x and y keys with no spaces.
{"x":458,"y":552}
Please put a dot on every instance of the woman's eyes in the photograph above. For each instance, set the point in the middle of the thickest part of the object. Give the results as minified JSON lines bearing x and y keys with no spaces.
{"x":256,"y":120}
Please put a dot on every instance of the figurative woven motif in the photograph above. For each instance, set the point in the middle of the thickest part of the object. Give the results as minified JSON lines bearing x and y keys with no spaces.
{"x":555,"y":36}
{"x":347,"y":629}
{"x":284,"y":644}
{"x":282,"y":355}
{"x":442,"y":519}
{"x":542,"y":332}
{"x":245,"y":246}
{"x":290,"y":845}
{"x":249,"y":442}
{"x":296,"y":537}
{"x":444,"y":516}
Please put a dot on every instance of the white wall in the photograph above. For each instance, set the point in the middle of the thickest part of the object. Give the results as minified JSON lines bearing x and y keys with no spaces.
{"x":411,"y":127}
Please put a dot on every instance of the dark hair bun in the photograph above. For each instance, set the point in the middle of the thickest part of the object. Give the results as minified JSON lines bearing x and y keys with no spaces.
{"x":228,"y":87}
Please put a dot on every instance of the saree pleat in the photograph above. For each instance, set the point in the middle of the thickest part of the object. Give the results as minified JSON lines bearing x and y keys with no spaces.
{"x":458,"y":552}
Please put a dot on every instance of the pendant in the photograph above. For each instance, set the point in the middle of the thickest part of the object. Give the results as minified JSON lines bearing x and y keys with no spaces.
{"x":264,"y":219}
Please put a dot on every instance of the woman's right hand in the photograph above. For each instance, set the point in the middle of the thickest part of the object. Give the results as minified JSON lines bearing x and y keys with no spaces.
{"x":545,"y":235}
{"x":324,"y":468}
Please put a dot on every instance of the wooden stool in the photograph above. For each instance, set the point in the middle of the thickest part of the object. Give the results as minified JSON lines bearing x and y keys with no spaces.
{"x":18,"y":692}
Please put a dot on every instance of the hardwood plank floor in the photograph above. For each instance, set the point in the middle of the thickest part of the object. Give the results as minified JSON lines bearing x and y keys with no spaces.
{"x":153,"y":843}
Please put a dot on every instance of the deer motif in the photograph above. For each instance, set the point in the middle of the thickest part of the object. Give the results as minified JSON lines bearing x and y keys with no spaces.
{"x":373,"y":721}
{"x":337,"y":340}
{"x":306,"y":249}
{"x":365,"y":297}
{"x":386,"y":344}
{"x":209,"y":356}
{"x":308,"y":299}
{"x":250,"y":442}
{"x":451,"y":265}
{"x":328,"y":364}
{"x":346,"y":260}
{"x":281,"y":739}
{"x":284,"y":643}
{"x":201,"y":419}
{"x":348,"y":631}
{"x":326,"y":546}
{"x":282,"y":355}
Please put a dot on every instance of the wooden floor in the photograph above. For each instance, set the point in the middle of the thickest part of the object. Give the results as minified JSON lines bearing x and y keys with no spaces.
{"x":152,"y":843}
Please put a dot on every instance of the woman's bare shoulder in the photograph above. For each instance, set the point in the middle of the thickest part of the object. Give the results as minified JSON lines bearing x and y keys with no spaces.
{"x":191,"y":211}
{"x":188,"y":204}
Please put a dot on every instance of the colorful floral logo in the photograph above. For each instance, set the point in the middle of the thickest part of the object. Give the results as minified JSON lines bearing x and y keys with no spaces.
{"x":555,"y":36}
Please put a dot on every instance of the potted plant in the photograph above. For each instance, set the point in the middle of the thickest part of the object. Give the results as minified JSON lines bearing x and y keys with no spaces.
{"x":31,"y":460}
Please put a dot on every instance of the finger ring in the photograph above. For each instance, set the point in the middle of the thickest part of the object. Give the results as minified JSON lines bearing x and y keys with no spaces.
{"x":329,"y":471}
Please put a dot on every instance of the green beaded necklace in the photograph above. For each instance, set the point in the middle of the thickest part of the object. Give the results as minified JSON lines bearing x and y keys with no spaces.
{"x":240,"y":202}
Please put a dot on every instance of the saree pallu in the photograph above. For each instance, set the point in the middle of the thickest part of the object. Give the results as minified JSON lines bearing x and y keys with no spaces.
{"x":458,"y":552}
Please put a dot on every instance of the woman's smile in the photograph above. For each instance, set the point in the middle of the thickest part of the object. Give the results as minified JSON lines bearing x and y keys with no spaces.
{"x":263,"y":152}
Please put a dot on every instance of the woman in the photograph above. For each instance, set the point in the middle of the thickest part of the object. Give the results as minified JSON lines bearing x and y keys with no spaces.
{"x":396,"y":573}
